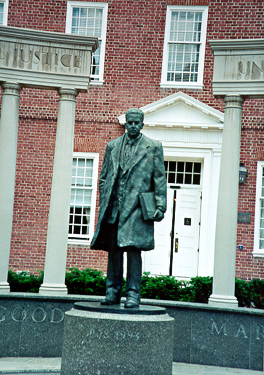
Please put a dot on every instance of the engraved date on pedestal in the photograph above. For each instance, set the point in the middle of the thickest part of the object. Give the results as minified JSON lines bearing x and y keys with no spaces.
{"x":108,"y":335}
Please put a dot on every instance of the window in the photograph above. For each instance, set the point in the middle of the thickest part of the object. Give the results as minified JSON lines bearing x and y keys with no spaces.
{"x":83,"y":196}
{"x":3,"y":12}
{"x":259,"y":212}
{"x":89,"y":19}
{"x":184,"y":47}
{"x":183,"y":173}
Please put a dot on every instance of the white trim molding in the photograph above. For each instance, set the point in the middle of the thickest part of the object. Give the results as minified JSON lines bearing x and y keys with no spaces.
{"x":166,"y":113}
{"x":259,"y":212}
{"x":83,"y":185}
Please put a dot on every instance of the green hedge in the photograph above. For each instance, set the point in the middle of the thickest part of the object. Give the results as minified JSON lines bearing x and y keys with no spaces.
{"x":92,"y":282}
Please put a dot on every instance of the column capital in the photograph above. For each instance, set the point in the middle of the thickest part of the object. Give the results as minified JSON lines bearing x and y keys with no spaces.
{"x":234,"y":101}
{"x":68,"y":94}
{"x":11,"y":88}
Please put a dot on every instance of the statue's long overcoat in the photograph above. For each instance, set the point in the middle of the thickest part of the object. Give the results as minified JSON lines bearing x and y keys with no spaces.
{"x":145,"y":173}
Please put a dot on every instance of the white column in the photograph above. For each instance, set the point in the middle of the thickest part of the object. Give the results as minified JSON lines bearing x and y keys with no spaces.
{"x":226,"y":221}
{"x":8,"y":153}
{"x":57,"y":236}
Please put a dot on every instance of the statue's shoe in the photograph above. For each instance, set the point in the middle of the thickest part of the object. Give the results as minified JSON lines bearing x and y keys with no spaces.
{"x":132,"y":303}
{"x":110,"y":300}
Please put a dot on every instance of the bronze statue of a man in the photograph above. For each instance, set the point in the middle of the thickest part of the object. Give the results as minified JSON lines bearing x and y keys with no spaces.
{"x":133,"y":164}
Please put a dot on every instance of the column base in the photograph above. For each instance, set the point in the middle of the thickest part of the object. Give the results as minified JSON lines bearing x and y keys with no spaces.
{"x":4,"y":287}
{"x":53,"y":289}
{"x":218,"y":300}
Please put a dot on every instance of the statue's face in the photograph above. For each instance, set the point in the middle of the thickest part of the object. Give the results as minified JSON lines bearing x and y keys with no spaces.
{"x":133,"y":125}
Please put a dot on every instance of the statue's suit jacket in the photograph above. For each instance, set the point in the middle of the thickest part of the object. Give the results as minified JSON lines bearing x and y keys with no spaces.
{"x":145,"y":173}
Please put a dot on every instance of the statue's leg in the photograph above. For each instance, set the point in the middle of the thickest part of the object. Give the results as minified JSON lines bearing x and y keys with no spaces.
{"x":134,"y":271}
{"x":114,"y":277}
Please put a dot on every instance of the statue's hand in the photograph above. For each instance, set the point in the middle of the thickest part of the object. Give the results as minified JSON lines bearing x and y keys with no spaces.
{"x":159,"y":215}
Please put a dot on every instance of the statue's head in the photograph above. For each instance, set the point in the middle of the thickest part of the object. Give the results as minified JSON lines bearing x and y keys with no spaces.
{"x":134,"y":122}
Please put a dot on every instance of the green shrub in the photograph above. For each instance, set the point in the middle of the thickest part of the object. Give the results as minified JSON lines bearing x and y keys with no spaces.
{"x":87,"y":281}
{"x":256,"y":287}
{"x":24,"y":281}
{"x":200,"y":288}
{"x":92,"y":282}
{"x":242,"y":293}
{"x":160,"y":287}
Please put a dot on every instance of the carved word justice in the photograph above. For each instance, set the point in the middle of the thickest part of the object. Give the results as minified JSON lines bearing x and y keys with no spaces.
{"x":38,"y":58}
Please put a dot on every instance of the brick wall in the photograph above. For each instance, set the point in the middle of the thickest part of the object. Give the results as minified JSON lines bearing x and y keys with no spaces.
{"x":134,"y":46}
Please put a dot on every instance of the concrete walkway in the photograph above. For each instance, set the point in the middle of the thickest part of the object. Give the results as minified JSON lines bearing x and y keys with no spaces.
{"x":51,"y":366}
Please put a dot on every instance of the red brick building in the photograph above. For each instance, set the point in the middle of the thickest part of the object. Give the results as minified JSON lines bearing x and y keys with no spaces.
{"x":154,"y":55}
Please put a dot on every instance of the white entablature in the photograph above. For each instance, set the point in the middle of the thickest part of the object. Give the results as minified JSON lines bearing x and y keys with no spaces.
{"x":180,"y":110}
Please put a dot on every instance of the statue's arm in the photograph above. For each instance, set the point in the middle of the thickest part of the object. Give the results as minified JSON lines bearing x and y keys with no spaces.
{"x":160,"y":184}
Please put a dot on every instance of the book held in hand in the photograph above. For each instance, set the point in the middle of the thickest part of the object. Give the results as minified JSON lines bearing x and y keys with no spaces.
{"x":148,"y":205}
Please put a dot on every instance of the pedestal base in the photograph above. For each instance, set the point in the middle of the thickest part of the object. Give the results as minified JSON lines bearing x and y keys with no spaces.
{"x":117,"y":341}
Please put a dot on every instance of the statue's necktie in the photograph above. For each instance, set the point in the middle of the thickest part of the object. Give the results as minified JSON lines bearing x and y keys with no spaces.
{"x":128,"y":151}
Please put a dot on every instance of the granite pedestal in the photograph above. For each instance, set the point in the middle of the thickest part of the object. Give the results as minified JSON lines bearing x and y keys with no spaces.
{"x":112,"y":340}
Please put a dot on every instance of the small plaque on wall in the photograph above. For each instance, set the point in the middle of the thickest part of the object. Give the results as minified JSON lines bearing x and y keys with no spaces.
{"x":244,"y":217}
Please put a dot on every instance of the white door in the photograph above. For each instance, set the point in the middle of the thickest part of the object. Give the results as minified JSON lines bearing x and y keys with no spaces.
{"x":176,"y":236}
{"x":157,"y":261}
{"x":185,"y":246}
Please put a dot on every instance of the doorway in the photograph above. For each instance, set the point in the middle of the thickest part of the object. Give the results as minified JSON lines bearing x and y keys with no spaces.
{"x":177,"y":236}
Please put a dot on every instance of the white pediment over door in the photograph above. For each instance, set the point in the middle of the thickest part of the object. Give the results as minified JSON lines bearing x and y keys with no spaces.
{"x":180,"y":111}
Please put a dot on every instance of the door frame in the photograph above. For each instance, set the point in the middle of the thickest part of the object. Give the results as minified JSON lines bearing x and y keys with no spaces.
{"x":210,"y":158}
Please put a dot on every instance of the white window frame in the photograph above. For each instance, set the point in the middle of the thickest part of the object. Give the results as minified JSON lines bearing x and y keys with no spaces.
{"x":257,"y":251}
{"x":184,"y":173}
{"x":104,"y":6}
{"x":95,"y":158}
{"x":193,"y":85}
{"x":5,"y":2}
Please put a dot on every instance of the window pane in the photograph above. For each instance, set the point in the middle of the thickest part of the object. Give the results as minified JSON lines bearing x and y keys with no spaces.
{"x":198,"y":16}
{"x":180,"y":172}
{"x":75,"y":12}
{"x":179,"y":178}
{"x":197,"y":167}
{"x":180,"y":166}
{"x":196,"y":179}
{"x":261,"y":244}
{"x":84,"y":12}
{"x":171,"y":179}
{"x":188,"y":179}
{"x":189,"y":167}
{"x":262,"y":223}
{"x":172,"y":166}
